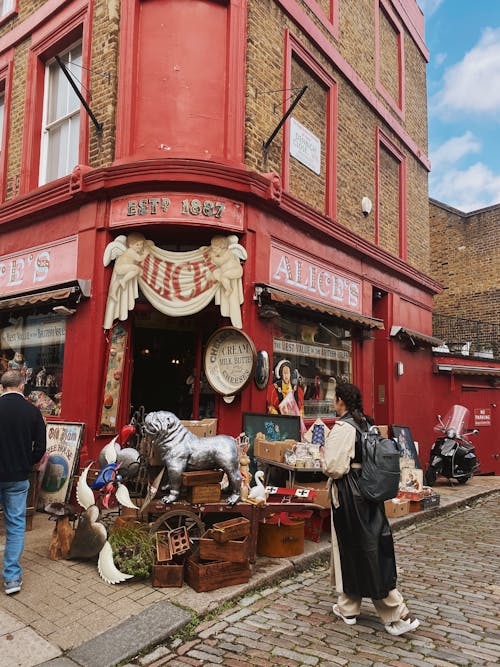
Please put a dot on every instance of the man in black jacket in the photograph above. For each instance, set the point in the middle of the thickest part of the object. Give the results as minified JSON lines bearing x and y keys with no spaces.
{"x":22,"y":444}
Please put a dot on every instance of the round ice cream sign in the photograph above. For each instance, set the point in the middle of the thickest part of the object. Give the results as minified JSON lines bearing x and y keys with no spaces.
{"x":229,"y":361}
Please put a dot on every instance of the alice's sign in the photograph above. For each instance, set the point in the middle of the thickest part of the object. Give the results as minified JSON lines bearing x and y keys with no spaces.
{"x":38,"y":267}
{"x":175,"y":283}
{"x":311,"y":278}
{"x":229,"y":361}
{"x":181,"y":208}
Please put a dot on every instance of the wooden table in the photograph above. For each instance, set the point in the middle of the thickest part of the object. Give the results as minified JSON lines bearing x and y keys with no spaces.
{"x":268,"y":465}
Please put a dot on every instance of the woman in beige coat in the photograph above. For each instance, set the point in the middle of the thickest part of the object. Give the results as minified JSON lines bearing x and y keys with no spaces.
{"x":363,"y":558}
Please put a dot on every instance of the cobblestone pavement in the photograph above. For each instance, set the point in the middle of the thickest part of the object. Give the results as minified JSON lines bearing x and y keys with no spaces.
{"x":448,"y":572}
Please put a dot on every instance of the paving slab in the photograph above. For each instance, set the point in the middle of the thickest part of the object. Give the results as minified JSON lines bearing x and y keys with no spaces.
{"x":55,"y":594}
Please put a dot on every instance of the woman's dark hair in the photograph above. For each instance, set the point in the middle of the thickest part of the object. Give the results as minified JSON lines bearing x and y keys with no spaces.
{"x":351,"y":396}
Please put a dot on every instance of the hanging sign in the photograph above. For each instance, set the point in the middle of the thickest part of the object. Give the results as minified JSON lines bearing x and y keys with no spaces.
{"x":175,"y":283}
{"x":229,"y":361}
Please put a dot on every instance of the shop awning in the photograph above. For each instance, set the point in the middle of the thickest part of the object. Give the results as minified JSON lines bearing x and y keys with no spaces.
{"x":68,"y":292}
{"x":286,"y":298}
{"x":467,"y":370}
{"x":416,"y":338}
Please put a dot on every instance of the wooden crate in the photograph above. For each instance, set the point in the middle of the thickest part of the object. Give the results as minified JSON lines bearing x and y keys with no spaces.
{"x":223,"y":531}
{"x":210,"y":493}
{"x":234,"y":551}
{"x":280,"y":540}
{"x":213,"y":575}
{"x":201,"y":477}
{"x":168,"y":575}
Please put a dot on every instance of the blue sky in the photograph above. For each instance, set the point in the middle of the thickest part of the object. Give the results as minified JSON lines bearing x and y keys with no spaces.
{"x":463,"y":87}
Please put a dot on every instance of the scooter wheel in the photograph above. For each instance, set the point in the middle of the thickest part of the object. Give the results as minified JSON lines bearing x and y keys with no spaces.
{"x":430,"y":476}
{"x":463,"y":480}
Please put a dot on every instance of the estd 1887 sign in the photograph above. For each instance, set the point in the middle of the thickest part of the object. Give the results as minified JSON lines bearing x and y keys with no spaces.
{"x":229,"y":360}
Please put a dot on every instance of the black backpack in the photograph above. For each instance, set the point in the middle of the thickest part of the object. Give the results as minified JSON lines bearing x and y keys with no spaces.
{"x":380,"y":471}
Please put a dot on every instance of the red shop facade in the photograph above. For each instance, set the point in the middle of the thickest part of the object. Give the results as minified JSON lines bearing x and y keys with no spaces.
{"x":333,"y":304}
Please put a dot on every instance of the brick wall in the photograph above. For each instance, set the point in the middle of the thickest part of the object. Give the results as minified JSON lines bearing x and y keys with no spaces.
{"x":357,"y":122}
{"x":389,"y":55}
{"x":465,"y":258}
{"x":15,"y":139}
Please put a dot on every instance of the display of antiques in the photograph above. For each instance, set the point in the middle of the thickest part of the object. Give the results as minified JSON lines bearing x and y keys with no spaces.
{"x":141,"y":531}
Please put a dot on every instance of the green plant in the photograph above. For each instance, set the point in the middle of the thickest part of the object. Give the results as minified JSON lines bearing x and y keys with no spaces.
{"x":133,"y":550}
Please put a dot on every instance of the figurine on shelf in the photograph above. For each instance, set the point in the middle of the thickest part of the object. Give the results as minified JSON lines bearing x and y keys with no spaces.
{"x":17,"y":363}
{"x":243,"y":445}
{"x":41,"y":376}
{"x":50,"y":380}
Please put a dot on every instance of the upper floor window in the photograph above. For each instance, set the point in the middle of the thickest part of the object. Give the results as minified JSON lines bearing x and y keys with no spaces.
{"x":6,"y":6}
{"x":61,"y":117}
{"x":2,"y":114}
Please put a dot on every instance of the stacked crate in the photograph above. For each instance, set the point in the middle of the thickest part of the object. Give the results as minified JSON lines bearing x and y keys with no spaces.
{"x":222,"y":559}
{"x":202,"y":486}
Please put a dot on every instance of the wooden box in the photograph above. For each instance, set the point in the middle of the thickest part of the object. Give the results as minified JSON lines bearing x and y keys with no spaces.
{"x":234,"y":551}
{"x":223,"y":531}
{"x":210,"y":493}
{"x":396,"y":507}
{"x":168,"y":575}
{"x":322,"y":494}
{"x":213,"y":575}
{"x":202,"y":428}
{"x":279,"y":540}
{"x":201,"y":477}
{"x":272,"y":451}
{"x":425,"y":503}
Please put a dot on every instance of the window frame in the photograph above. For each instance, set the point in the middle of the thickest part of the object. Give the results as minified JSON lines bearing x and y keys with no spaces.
{"x":4,"y":17}
{"x":45,"y":129}
{"x":66,"y":28}
{"x":293,"y":48}
{"x":381,"y":139}
{"x":397,"y":105}
{"x":6,"y":73}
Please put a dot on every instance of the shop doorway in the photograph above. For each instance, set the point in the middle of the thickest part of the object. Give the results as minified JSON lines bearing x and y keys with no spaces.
{"x":167,"y":366}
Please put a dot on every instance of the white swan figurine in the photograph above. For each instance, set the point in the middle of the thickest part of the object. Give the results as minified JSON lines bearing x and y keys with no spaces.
{"x":257,"y":494}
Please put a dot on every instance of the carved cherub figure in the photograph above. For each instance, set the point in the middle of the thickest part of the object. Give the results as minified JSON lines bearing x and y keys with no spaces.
{"x":226,"y":253}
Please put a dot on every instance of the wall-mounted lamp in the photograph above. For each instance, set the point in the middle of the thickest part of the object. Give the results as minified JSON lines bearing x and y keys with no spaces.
{"x":366,"y":206}
{"x":268,"y":312}
{"x":400,"y":369}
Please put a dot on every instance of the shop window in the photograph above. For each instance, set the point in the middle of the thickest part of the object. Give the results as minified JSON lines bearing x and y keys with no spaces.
{"x":34,"y":345}
{"x":61,"y":117}
{"x":320,"y":356}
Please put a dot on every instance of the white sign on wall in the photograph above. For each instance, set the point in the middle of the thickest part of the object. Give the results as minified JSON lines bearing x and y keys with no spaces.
{"x":305,"y":146}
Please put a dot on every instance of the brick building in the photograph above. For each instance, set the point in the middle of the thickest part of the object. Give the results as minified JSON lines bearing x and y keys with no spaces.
{"x":465,"y":259}
{"x":182,"y":141}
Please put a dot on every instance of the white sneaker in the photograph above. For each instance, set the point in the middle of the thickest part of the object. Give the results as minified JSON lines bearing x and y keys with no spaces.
{"x":349,"y":620}
{"x":402,"y":626}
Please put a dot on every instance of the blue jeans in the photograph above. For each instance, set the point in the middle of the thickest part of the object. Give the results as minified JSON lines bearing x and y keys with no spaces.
{"x":13,"y":501}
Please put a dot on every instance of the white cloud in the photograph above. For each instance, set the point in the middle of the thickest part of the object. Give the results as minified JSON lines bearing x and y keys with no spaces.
{"x":439,"y":58}
{"x":453,"y":150}
{"x":429,"y":6}
{"x":473,"y":84}
{"x":468,"y":189}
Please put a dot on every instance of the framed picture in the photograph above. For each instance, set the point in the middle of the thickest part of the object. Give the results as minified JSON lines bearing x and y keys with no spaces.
{"x":412,"y":479}
{"x":64,"y":441}
{"x":408,"y":451}
{"x":274,"y":427}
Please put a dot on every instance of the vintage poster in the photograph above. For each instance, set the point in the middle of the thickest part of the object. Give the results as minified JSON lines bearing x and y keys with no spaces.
{"x":113,"y":379}
{"x":64,"y":440}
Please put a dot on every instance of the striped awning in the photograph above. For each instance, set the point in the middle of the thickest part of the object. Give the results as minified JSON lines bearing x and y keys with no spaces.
{"x":289,"y":299}
{"x":59,"y":294}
